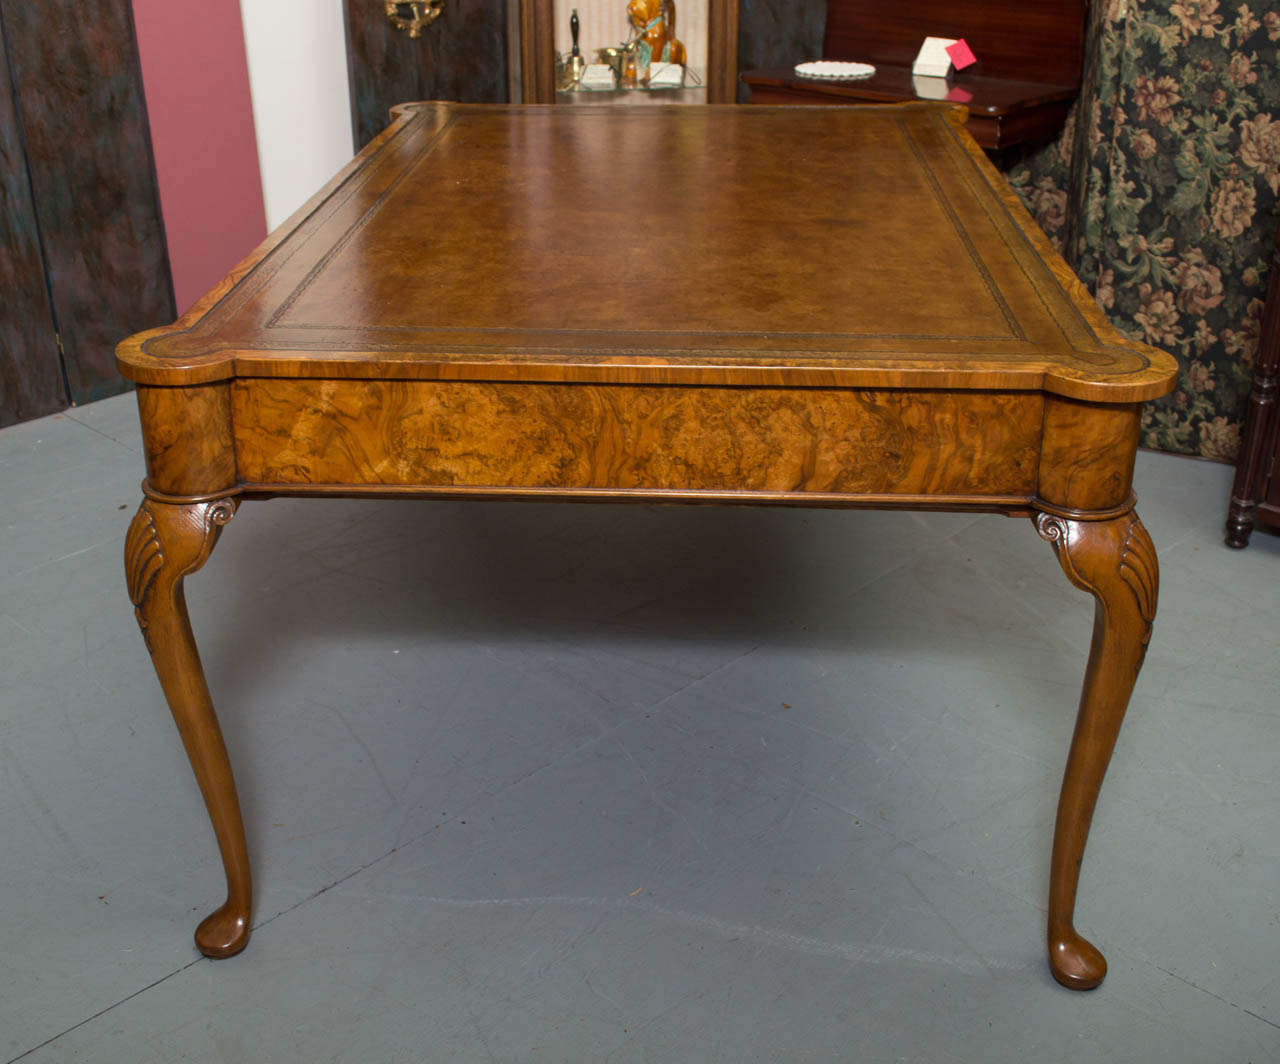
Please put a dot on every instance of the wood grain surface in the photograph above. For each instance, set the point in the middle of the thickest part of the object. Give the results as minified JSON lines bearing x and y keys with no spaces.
{"x":426,"y":434}
{"x":188,"y":439}
{"x":1086,"y":454}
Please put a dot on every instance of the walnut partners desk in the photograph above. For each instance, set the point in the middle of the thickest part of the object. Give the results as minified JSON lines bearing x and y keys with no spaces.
{"x":799,"y":306}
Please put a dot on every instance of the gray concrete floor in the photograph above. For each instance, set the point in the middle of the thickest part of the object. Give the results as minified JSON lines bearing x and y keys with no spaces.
{"x":592,"y":783}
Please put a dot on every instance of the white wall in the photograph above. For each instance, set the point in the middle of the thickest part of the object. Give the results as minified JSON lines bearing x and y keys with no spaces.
{"x":301,"y":107}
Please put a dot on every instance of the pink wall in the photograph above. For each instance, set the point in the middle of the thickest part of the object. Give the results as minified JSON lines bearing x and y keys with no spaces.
{"x":196,"y":81}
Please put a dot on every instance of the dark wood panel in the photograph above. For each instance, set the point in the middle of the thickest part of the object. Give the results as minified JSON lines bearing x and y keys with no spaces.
{"x":775,"y":33}
{"x":79,"y":93}
{"x":537,"y":51}
{"x":30,"y":378}
{"x":461,"y":56}
{"x":1011,"y":38}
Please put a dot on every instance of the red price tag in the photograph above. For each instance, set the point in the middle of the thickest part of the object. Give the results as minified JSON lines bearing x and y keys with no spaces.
{"x":961,"y":55}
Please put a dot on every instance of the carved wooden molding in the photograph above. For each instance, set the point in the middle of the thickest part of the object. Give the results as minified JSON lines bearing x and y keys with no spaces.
{"x":165,"y":543}
{"x":1141,"y":571}
{"x":1094,"y":554}
{"x":143,"y":558}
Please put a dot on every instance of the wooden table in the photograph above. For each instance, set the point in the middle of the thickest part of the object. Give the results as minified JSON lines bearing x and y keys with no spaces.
{"x":808,"y":307}
{"x":1027,"y":74}
{"x":1003,"y":113}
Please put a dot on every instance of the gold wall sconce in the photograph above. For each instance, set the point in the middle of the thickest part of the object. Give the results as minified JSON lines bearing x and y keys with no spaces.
{"x":413,"y":16}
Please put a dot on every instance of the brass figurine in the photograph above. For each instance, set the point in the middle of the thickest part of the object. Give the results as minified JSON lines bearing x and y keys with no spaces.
{"x":413,"y":16}
{"x":655,"y":21}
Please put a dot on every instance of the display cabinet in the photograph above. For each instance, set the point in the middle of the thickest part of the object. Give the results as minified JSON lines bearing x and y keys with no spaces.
{"x":543,"y":35}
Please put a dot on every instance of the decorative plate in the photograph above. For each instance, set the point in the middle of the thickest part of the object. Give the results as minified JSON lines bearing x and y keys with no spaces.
{"x":831,"y":70}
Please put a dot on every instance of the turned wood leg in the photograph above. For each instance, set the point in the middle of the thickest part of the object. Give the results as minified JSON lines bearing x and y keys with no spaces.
{"x":1240,"y":521}
{"x":164,"y":544}
{"x":1117,"y":563}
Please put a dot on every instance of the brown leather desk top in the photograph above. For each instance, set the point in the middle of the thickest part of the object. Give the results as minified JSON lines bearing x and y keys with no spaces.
{"x":869,"y":246}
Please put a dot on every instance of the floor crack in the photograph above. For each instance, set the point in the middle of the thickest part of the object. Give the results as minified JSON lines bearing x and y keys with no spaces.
{"x":1216,"y":997}
{"x":103,"y":1012}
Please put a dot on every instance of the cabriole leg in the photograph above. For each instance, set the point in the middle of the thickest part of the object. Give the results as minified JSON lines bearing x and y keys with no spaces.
{"x":1115,"y":561}
{"x":164,"y":544}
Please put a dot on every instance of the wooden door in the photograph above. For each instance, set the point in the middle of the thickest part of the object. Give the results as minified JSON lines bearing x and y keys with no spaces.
{"x":76,"y":103}
{"x":461,"y":56}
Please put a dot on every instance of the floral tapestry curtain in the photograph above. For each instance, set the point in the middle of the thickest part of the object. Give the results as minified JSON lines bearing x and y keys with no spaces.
{"x":1162,"y":195}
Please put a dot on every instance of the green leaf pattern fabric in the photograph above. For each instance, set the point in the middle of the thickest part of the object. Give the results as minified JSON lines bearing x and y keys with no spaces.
{"x":1162,"y":194}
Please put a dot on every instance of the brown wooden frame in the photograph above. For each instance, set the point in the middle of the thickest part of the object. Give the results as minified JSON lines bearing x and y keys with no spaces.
{"x":538,"y":51}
